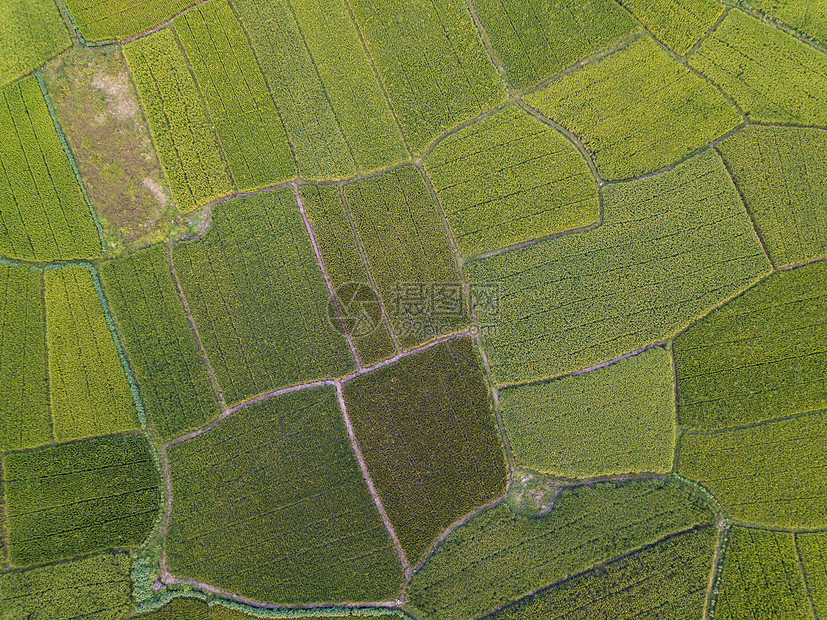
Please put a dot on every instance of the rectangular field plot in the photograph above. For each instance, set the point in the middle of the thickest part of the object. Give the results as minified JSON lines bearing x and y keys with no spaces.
{"x":271,"y":505}
{"x":432,"y":62}
{"x":94,"y":588}
{"x":497,"y":557}
{"x":637,"y":110}
{"x":761,"y":578}
{"x":771,"y":474}
{"x":510,"y":178}
{"x":613,"y":420}
{"x":25,"y":420}
{"x":812,"y":549}
{"x":408,"y":254}
{"x":772,"y":76}
{"x":670,"y":248}
{"x":677,"y":23}
{"x":761,"y":356}
{"x":44,"y":216}
{"x":782,"y":175}
{"x":258,"y":298}
{"x":536,"y":39}
{"x":240,"y":106}
{"x":187,"y":147}
{"x":667,"y":580}
{"x":348,"y":275}
{"x":426,"y":431}
{"x":175,"y":388}
{"x":114,"y":20}
{"x":31,"y":32}
{"x":76,"y":498}
{"x":88,"y":390}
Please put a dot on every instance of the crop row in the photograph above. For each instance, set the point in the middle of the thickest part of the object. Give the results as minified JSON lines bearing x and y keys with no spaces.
{"x":677,"y":23}
{"x":812,"y":549}
{"x":31,"y":32}
{"x":271,"y":505}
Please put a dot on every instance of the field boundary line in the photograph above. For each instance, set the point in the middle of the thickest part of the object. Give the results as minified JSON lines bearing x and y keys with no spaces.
{"x":803,"y":570}
{"x":369,"y":481}
{"x":709,"y":31}
{"x":759,"y":423}
{"x":308,"y":226}
{"x":715,"y":572}
{"x":677,"y":432}
{"x":489,"y":47}
{"x":777,"y":528}
{"x":4,"y":530}
{"x":776,"y":23}
{"x":510,"y":460}
{"x":149,"y":31}
{"x":46,"y":360}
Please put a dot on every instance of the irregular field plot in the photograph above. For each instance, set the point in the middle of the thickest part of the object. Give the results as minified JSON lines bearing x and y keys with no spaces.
{"x":271,"y":505}
{"x":88,"y":390}
{"x":31,"y":32}
{"x":760,"y":578}
{"x":677,"y":23}
{"x":772,"y":474}
{"x":94,"y":588}
{"x":807,"y":16}
{"x":407,"y":252}
{"x":240,"y":106}
{"x":497,"y":557}
{"x":669,"y":249}
{"x":536,"y":39}
{"x":258,"y":298}
{"x":432,"y":62}
{"x":782,"y":175}
{"x":613,"y":420}
{"x":344,"y":265}
{"x":762,"y":355}
{"x":25,"y":419}
{"x":510,"y":178}
{"x":667,"y":580}
{"x":175,"y":387}
{"x":70,"y":499}
{"x":178,"y":120}
{"x":43,"y":215}
{"x":427,"y":434}
{"x":637,"y":110}
{"x":773,"y":77}
{"x":813,"y":552}
{"x":107,"y":20}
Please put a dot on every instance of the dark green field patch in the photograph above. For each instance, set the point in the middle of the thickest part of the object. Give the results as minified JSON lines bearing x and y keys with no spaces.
{"x":94,"y":588}
{"x":761,"y":356}
{"x":75,"y":498}
{"x":667,"y":580}
{"x":510,"y":178}
{"x":497,"y":556}
{"x":175,"y":387}
{"x":426,"y":431}
{"x":772,"y":474}
{"x":181,"y":609}
{"x":258,"y":298}
{"x":271,"y":505}
{"x":782,"y":175}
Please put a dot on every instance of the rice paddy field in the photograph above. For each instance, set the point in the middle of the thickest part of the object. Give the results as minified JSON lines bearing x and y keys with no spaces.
{"x":425,"y":310}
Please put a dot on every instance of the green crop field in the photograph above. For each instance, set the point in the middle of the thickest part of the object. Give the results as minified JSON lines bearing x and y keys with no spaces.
{"x":772,"y":76}
{"x":761,"y":578}
{"x":97,"y":588}
{"x":25,"y":420}
{"x":31,"y":32}
{"x":174,"y":384}
{"x":432,"y":62}
{"x":115,"y":20}
{"x":432,"y":453}
{"x":575,"y":301}
{"x":677,"y":23}
{"x":240,"y":106}
{"x":276,"y":485}
{"x":781,"y":173}
{"x":637,"y":110}
{"x":760,"y":356}
{"x":177,"y":117}
{"x":510,"y":178}
{"x":536,"y":39}
{"x":667,"y":580}
{"x":812,"y":549}
{"x":770,"y":474}
{"x":614,"y":420}
{"x":498,"y":556}
{"x":181,"y":608}
{"x":44,"y":216}
{"x":258,"y":298}
{"x":808,"y":16}
{"x":75,"y":498}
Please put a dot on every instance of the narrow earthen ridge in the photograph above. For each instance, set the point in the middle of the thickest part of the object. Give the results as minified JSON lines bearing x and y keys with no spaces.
{"x":309,"y":227}
{"x":376,"y":500}
{"x":715,"y":573}
{"x":803,"y":569}
{"x":162,"y":455}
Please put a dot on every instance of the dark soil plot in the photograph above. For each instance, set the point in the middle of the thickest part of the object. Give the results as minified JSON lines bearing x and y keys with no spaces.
{"x":427,"y":434}
{"x":75,"y":498}
{"x":271,"y":504}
